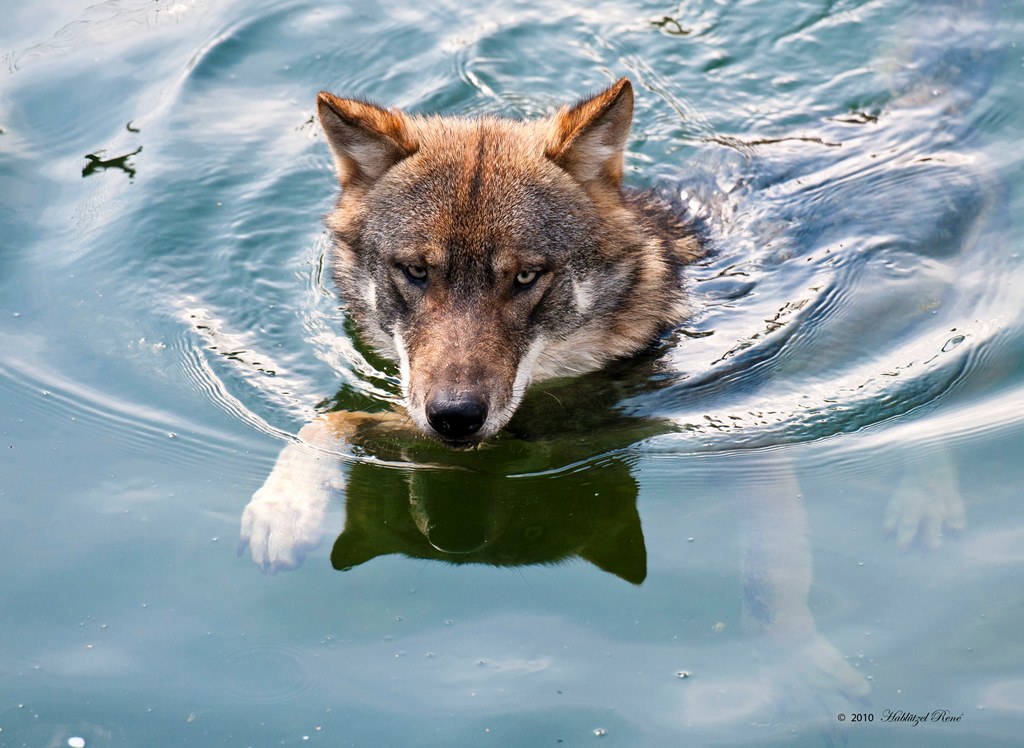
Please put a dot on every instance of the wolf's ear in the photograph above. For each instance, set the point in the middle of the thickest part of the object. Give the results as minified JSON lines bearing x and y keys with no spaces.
{"x":588,"y":139}
{"x":365,"y":140}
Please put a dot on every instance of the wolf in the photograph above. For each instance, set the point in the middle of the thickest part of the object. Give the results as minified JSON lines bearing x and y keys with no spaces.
{"x":481,"y":255}
{"x":485,"y":257}
{"x":485,"y":254}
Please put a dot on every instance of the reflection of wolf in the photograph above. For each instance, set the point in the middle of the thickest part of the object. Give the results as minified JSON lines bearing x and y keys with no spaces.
{"x":464,"y":517}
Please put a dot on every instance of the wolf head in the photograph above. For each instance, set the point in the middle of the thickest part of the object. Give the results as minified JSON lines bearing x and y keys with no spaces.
{"x":482,"y":254}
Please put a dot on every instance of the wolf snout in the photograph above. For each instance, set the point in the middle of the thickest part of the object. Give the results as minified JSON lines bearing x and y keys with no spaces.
{"x":456,"y":416}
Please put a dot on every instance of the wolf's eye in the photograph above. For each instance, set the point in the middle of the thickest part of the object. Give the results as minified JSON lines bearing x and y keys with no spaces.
{"x":415,"y":273}
{"x":526,"y":278}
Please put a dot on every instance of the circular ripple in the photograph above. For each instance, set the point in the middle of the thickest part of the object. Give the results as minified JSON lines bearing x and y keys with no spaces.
{"x":266,"y":673}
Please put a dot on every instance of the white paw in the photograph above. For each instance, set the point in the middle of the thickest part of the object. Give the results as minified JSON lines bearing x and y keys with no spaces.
{"x":926,"y":504}
{"x":283,"y":521}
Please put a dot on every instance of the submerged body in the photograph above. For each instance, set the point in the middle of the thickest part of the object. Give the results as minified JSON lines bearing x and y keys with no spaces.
{"x":485,"y":254}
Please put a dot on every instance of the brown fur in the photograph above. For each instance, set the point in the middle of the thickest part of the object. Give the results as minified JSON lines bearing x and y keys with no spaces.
{"x":474,"y":204}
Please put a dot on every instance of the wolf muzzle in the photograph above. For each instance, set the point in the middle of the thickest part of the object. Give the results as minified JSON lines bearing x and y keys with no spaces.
{"x":460,"y":374}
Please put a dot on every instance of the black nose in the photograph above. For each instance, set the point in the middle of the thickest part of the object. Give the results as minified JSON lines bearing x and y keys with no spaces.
{"x":456,"y":417}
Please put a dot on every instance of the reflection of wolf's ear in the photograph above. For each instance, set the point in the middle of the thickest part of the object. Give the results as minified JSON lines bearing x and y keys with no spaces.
{"x":618,"y":546}
{"x":351,"y":549}
{"x":365,"y":140}
{"x":588,"y":139}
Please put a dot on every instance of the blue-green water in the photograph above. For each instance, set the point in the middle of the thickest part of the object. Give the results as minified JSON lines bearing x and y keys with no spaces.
{"x":831,"y":528}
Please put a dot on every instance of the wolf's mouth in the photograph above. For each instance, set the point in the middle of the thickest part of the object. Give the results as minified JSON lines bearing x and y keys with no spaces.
{"x":462,"y":446}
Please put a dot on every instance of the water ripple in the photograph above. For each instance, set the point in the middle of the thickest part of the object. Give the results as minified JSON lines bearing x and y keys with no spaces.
{"x":46,"y":392}
{"x":266,"y":673}
{"x":844,"y":228}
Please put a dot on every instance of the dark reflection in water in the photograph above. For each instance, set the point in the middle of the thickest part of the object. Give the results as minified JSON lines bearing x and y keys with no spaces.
{"x":469,"y":517}
{"x":96,"y":163}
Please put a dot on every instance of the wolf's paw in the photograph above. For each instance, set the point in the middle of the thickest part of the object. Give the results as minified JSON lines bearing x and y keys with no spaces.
{"x":277,"y":532}
{"x":926,"y":504}
{"x":283,"y":521}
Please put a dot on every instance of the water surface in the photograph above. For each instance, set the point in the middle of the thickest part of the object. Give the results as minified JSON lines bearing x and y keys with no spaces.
{"x":803,"y":505}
